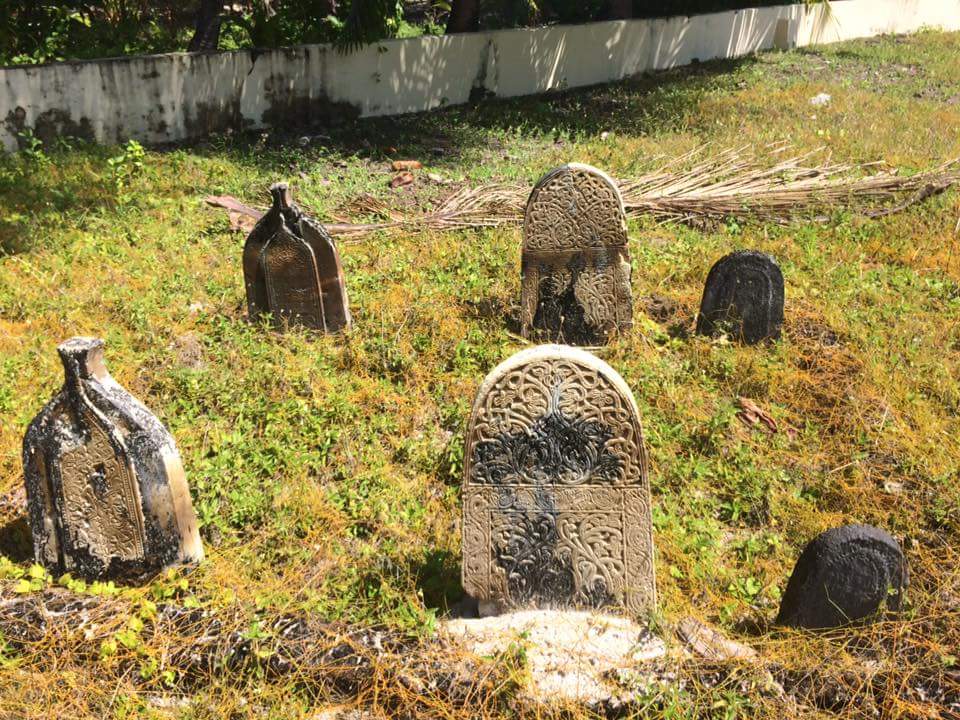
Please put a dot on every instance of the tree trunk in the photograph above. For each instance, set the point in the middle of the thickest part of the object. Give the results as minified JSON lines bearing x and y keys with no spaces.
{"x":206,"y":35}
{"x":620,"y":10}
{"x":464,"y":16}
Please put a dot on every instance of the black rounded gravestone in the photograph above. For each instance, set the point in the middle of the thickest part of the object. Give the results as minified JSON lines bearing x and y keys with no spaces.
{"x":844,"y":575}
{"x":743,"y":297}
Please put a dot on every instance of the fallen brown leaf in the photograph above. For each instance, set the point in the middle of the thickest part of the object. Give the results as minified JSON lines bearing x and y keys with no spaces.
{"x":399,"y":165}
{"x":755,"y":416}
{"x":404,"y":178}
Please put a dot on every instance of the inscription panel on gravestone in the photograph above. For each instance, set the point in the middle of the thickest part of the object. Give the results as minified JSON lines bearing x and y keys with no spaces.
{"x":293,"y":286}
{"x":101,"y":501}
{"x":575,"y":284}
{"x":556,"y":497}
{"x":743,"y":297}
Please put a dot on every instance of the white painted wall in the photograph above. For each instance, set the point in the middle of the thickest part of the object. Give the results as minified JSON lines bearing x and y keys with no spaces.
{"x":183,"y":96}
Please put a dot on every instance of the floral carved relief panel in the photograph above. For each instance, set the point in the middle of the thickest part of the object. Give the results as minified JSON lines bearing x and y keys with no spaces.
{"x":575,"y":284}
{"x":556,"y":496}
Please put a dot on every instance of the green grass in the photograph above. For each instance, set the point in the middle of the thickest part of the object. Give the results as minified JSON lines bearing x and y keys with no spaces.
{"x":325,"y":470}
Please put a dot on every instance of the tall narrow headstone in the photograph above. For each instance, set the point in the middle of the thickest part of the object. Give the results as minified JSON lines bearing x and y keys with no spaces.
{"x":743,"y":298}
{"x":292,"y":269}
{"x":575,"y":264}
{"x":107,"y":494}
{"x":556,"y":501}
{"x":844,"y":575}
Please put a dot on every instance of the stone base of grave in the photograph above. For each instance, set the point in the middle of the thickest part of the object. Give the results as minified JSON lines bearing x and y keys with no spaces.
{"x":571,"y":656}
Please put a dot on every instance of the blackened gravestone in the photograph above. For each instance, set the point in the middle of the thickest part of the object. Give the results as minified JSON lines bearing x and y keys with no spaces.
{"x":743,"y":298}
{"x":292,"y":269}
{"x":556,"y":497}
{"x":105,"y":485}
{"x":576,"y":268}
{"x":844,"y":575}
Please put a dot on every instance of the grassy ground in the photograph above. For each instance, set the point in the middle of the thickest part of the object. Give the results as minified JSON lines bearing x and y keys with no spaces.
{"x":325,"y":471}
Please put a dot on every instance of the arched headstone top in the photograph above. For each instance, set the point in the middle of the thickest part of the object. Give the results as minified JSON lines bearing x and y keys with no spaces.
{"x":575,"y":261}
{"x":556,"y":495}
{"x":844,"y":575}
{"x":574,"y":207}
{"x":572,"y":406}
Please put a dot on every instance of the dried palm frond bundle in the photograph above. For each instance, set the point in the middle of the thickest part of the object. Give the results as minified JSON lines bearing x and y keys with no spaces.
{"x":733,"y":183}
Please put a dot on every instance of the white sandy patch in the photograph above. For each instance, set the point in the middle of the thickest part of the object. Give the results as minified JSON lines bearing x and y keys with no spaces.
{"x":569,"y":653}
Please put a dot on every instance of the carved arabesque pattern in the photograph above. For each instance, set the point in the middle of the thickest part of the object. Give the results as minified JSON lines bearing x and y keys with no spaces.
{"x":574,"y":207}
{"x":551,"y":403}
{"x":604,"y":295}
{"x":576,"y":268}
{"x":556,"y":499}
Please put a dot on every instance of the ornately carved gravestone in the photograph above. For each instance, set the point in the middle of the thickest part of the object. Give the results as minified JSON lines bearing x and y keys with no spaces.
{"x":844,"y":575}
{"x":575,"y":264}
{"x":556,"y":501}
{"x":292,"y":269}
{"x":743,"y":298}
{"x":105,"y":486}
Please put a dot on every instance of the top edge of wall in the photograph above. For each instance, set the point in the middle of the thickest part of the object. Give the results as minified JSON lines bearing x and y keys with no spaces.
{"x":385,"y":41}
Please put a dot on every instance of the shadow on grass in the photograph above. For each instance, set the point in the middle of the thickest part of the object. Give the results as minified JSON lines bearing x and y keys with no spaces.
{"x":437,"y":574}
{"x":16,"y":540}
{"x":74,"y":177}
{"x":649,"y":104}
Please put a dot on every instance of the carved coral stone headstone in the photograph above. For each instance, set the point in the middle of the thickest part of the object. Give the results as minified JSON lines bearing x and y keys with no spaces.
{"x":844,"y":575}
{"x":743,"y":297}
{"x":556,"y":498}
{"x":576,"y":267}
{"x":292,"y":269}
{"x":105,"y":486}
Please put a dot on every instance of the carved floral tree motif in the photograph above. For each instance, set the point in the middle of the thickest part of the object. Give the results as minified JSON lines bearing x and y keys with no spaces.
{"x":575,"y":265}
{"x":292,"y":269}
{"x":556,"y":497}
{"x":106,"y":490}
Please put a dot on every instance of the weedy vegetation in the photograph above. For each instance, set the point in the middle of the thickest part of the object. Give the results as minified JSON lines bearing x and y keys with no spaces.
{"x":325,"y":470}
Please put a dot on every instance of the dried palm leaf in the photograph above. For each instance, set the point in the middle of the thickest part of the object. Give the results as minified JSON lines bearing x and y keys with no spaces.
{"x":733,"y":183}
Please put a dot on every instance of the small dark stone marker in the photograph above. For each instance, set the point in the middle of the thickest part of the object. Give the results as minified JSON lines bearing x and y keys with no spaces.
{"x":844,"y":575}
{"x":106,"y":490}
{"x":292,"y":269}
{"x":743,"y":297}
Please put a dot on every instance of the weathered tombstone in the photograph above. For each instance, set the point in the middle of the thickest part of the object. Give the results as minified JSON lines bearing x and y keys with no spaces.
{"x":844,"y":575}
{"x":743,"y":298}
{"x":575,"y":264}
{"x":292,"y":269}
{"x":556,"y":501}
{"x":105,"y":486}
